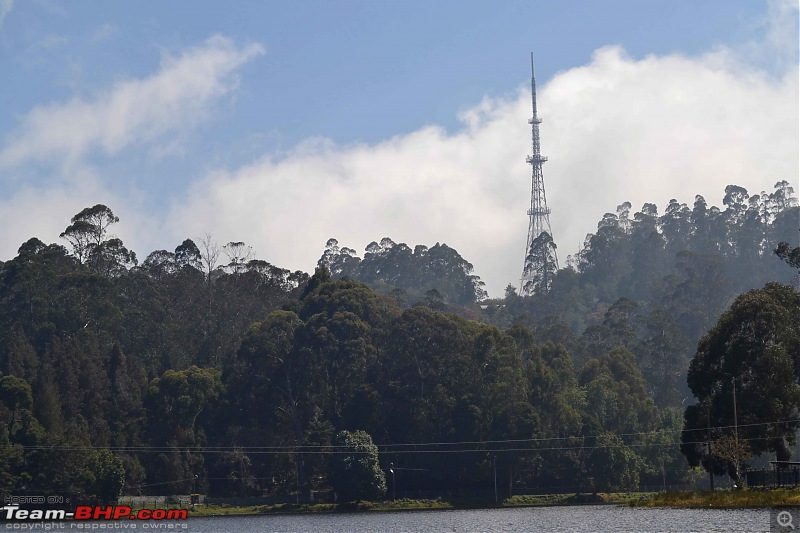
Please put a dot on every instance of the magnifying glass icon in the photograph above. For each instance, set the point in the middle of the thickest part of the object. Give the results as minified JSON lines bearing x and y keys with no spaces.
{"x":784,"y":519}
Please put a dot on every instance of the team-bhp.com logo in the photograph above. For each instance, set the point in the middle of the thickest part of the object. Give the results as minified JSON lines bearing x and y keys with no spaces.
{"x":120,"y":512}
{"x":86,"y":513}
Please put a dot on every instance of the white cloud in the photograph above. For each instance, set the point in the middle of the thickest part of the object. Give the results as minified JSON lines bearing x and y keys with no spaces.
{"x":45,"y":212}
{"x":57,"y":139}
{"x":781,"y":23}
{"x":665,"y":127}
{"x":5,"y":8}
{"x":615,"y":129}
{"x":102,"y":33}
{"x":132,"y":111}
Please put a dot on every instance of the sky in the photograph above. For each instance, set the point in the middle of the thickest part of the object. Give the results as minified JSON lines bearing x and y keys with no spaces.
{"x":283,"y":124}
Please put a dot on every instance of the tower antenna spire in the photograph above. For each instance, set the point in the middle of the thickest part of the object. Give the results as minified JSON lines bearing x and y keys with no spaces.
{"x":541,"y":261}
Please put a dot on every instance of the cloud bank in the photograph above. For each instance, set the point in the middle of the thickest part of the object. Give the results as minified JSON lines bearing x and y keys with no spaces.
{"x":58,"y":140}
{"x":617,"y":129}
{"x":132,"y":111}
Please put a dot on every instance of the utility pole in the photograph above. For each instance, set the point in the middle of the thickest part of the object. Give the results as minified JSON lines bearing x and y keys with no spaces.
{"x":710,"y":457}
{"x":394,"y":491}
{"x":539,"y":213}
{"x":494,"y":463}
{"x":735,"y":428}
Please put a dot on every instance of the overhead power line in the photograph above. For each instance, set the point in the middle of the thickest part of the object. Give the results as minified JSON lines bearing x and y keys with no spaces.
{"x":428,"y":447}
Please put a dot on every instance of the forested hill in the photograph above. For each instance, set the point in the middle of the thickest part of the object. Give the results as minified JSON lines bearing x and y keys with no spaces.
{"x":656,"y":283}
{"x":652,"y":283}
{"x":205,"y":361}
{"x":436,"y":275}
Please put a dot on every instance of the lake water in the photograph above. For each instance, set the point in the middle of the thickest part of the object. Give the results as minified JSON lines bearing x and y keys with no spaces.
{"x":533,"y":519}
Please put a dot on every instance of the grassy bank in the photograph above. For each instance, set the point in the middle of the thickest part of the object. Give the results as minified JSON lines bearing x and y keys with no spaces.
{"x":719,"y":499}
{"x":600,"y":498}
{"x":408,"y":504}
{"x":291,"y":508}
{"x":724,"y":499}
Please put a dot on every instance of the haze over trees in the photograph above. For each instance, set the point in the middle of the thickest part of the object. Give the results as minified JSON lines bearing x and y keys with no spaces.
{"x":406,"y":274}
{"x":120,"y":376}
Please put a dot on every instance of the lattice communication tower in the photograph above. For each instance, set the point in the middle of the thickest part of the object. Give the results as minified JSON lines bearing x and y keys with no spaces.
{"x":539,"y":213}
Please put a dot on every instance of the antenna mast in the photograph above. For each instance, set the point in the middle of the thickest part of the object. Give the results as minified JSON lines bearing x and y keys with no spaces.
{"x":541,"y":260}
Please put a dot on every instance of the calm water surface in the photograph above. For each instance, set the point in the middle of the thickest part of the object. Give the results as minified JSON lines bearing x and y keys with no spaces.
{"x":555,"y":519}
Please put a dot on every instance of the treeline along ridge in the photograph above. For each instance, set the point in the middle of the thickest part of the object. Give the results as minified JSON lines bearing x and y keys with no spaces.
{"x":207,"y":369}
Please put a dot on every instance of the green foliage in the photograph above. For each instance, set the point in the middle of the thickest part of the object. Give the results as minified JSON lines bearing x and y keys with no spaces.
{"x":109,"y":476}
{"x":355,"y":471}
{"x":202,"y":361}
{"x":681,"y":270}
{"x":615,"y":394}
{"x":87,"y":235}
{"x":177,"y":398}
{"x":540,"y":265}
{"x":754,"y":347}
{"x":389,"y":266}
{"x":788,"y":254}
{"x":614,"y":466}
{"x":15,"y":393}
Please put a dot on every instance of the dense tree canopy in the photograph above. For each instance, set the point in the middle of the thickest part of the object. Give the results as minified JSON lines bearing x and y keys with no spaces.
{"x":355,"y":472}
{"x":388,"y":265}
{"x":755,"y":347}
{"x":206,"y":367}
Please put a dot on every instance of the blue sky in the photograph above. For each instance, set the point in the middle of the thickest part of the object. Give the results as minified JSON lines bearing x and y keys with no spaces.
{"x":285,"y":123}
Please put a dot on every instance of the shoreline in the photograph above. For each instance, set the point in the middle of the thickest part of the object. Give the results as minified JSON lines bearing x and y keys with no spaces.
{"x":718,"y":499}
{"x":544,"y":500}
{"x":757,"y":498}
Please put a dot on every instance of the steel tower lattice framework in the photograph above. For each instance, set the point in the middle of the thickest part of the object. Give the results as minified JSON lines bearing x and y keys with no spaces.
{"x":539,"y":213}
